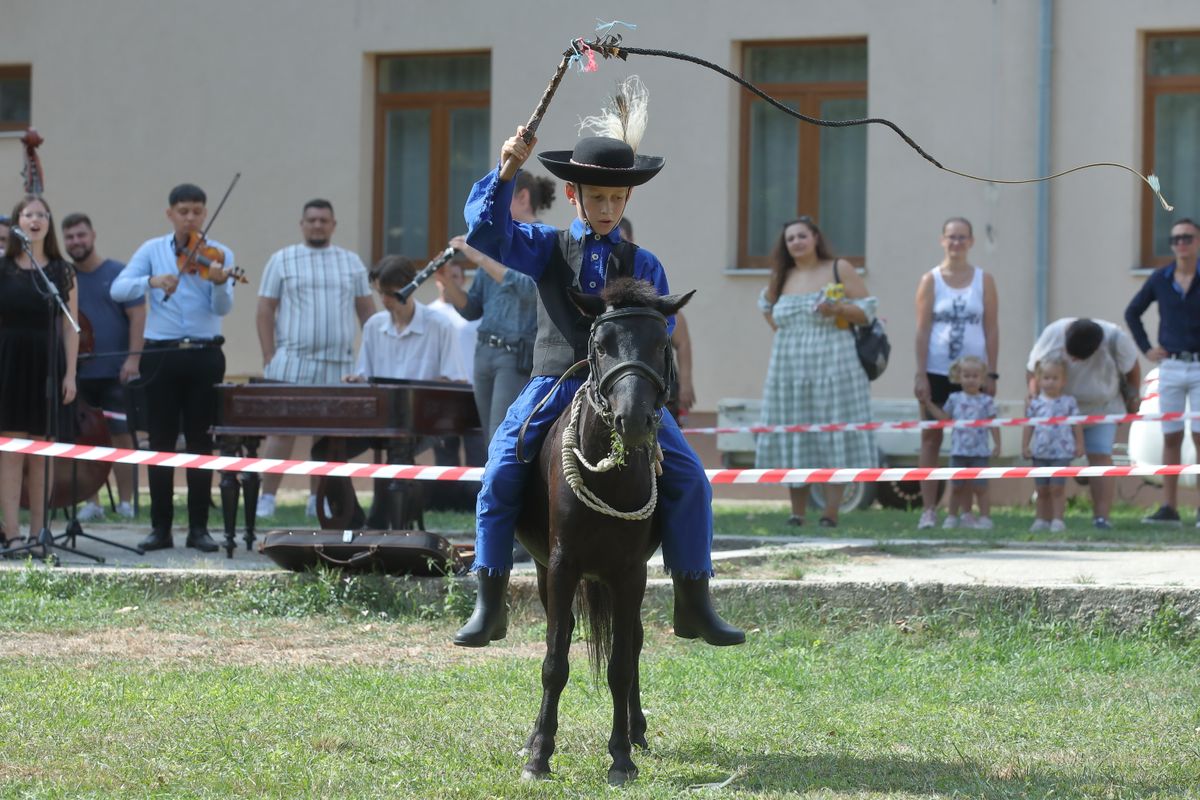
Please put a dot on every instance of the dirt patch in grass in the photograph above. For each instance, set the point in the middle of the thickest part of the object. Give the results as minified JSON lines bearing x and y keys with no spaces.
{"x":289,"y":644}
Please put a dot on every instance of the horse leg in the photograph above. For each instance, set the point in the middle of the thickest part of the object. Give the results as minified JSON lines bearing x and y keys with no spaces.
{"x":627,"y":605}
{"x":560,"y":593}
{"x":637,"y":718}
{"x":542,"y":581}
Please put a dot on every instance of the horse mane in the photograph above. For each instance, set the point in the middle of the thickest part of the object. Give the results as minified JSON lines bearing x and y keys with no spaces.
{"x":629,"y":293}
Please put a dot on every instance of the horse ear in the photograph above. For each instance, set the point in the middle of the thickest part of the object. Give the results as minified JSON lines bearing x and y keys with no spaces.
{"x":589,"y":305}
{"x":669,"y":304}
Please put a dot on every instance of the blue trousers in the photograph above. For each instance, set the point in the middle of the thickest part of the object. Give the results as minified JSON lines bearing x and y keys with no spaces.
{"x":684,"y":493}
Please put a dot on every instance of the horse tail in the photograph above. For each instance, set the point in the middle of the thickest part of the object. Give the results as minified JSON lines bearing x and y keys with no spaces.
{"x":596,"y":611}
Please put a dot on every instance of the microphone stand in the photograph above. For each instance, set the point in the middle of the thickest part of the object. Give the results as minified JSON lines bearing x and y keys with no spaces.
{"x":56,"y":306}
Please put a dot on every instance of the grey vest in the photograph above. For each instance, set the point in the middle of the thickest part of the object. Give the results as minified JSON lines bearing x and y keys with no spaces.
{"x":562,"y":331}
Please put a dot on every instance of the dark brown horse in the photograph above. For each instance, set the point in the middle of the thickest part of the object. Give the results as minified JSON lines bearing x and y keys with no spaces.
{"x":590,"y":523}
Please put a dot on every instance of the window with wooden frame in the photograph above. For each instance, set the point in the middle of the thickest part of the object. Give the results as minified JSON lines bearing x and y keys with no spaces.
{"x":790,"y":168}
{"x":1171,"y":137}
{"x":15,"y":98}
{"x":432,"y":142}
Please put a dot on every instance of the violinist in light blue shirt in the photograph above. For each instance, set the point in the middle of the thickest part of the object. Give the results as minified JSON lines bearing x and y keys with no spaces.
{"x":183,"y":362}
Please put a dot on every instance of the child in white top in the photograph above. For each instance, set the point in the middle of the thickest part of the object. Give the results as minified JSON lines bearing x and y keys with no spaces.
{"x":969,"y":446}
{"x":1051,"y":445}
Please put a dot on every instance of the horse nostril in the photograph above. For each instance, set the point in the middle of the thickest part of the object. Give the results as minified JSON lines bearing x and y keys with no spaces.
{"x":619,"y":423}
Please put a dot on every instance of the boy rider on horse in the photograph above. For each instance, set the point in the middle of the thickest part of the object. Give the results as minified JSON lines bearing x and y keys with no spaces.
{"x":600,"y":174}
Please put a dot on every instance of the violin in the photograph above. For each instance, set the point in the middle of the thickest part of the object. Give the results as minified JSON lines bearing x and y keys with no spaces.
{"x":197,"y":257}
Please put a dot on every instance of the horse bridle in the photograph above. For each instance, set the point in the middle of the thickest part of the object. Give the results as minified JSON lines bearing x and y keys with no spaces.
{"x":600,"y":382}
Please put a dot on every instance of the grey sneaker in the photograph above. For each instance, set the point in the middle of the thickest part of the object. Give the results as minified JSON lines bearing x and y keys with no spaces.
{"x":1165,"y":516}
{"x":929,"y":520}
{"x":1039,"y":525}
{"x":1101,"y":524}
{"x":90,"y":511}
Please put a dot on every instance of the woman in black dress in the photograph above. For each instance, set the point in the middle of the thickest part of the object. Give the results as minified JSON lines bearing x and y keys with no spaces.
{"x":25,"y":315}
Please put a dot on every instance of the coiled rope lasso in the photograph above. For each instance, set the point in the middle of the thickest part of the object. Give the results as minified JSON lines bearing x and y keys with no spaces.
{"x":609,"y":45}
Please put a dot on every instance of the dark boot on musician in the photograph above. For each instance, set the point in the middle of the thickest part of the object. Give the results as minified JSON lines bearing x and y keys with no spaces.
{"x":159,"y":539}
{"x":695,"y":618}
{"x":489,"y":621}
{"x":200,"y":540}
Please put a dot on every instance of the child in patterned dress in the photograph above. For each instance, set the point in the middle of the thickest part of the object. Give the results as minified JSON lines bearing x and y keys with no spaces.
{"x":969,"y":446}
{"x":1051,"y":445}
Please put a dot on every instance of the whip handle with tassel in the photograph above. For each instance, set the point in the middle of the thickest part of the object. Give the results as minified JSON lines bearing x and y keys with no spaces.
{"x":508,"y":170}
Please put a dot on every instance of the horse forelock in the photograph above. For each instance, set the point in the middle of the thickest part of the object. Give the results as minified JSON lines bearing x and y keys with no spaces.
{"x":629,"y":293}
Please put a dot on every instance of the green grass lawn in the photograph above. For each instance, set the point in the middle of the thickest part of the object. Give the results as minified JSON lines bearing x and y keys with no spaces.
{"x":334,"y":688}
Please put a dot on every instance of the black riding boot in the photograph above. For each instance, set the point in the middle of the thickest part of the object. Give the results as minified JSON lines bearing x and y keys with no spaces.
{"x":489,"y":621}
{"x":695,"y":616}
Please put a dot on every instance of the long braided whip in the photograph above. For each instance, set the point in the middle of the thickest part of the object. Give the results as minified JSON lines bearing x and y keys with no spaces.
{"x":609,"y":46}
{"x":572,"y":458}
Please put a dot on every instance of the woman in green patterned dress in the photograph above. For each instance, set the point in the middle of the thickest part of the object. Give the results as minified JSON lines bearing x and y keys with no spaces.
{"x":814,"y":375}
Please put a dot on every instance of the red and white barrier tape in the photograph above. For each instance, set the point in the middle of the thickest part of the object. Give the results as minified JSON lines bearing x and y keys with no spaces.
{"x":424,"y":473}
{"x":926,"y":424}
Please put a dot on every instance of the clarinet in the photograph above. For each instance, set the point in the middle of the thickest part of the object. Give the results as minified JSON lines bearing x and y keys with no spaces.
{"x":403,"y":294}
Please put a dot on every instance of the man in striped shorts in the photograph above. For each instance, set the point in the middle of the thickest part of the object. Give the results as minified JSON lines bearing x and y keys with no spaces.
{"x":307,"y":303}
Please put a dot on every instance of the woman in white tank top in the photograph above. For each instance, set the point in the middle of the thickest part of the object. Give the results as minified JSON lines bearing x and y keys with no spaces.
{"x":956,"y":316}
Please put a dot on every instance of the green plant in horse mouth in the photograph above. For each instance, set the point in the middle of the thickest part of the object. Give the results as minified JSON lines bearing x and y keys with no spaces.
{"x":616,"y":453}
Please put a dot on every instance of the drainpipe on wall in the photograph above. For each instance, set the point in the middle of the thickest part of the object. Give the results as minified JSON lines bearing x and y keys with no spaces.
{"x":1042,"y":265}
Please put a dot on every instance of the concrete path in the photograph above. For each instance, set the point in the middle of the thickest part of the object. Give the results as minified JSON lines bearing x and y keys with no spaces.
{"x":929,"y":561}
{"x":1006,"y":565}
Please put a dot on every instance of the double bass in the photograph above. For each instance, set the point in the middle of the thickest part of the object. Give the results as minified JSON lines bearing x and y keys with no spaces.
{"x":83,"y":423}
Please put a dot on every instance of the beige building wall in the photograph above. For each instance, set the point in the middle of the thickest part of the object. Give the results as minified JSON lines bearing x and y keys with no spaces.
{"x":134,"y":97}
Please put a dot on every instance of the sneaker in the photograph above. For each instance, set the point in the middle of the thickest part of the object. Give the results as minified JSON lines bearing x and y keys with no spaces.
{"x":967,"y":520}
{"x":950,"y":522}
{"x":266,"y":505}
{"x":983,"y":524}
{"x":929,"y":519}
{"x":1164,"y":516}
{"x":1039,"y":525}
{"x":1058,"y":526}
{"x":89,"y":512}
{"x":1198,"y":517}
{"x":310,"y":508}
{"x":125,"y":511}
{"x":1102,"y":524}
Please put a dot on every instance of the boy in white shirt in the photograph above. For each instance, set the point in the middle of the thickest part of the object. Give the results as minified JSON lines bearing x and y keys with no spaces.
{"x":406,"y":340}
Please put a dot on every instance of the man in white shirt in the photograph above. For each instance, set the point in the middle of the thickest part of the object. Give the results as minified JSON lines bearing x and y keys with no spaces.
{"x":307,"y":304}
{"x":1100,"y":357}
{"x":468,"y":330}
{"x":406,"y":340}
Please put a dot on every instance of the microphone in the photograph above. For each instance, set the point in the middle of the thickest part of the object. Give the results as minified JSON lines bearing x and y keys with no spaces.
{"x":20,"y":234}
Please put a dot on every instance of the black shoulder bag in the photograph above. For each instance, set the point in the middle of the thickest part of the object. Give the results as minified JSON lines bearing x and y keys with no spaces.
{"x":870,"y":341}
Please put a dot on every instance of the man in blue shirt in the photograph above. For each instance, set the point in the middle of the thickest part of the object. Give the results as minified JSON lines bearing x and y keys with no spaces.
{"x":115,"y":358}
{"x":600,"y":173}
{"x":1174,"y":287}
{"x":183,"y":361}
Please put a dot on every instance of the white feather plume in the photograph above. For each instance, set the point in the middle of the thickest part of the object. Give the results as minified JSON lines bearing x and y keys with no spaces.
{"x":625,"y":115}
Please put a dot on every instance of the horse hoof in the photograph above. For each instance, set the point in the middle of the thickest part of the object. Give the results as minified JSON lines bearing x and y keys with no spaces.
{"x":620,"y":777}
{"x":528,"y":774}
